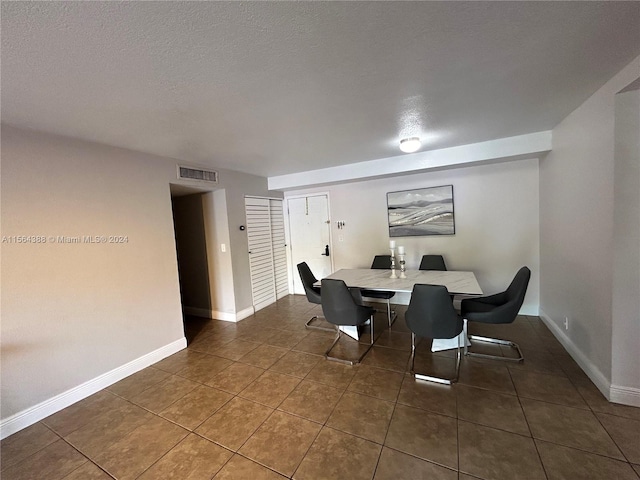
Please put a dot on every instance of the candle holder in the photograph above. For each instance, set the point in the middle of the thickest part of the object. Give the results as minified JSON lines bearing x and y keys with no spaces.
{"x":402,"y":266}
{"x":393,"y":263}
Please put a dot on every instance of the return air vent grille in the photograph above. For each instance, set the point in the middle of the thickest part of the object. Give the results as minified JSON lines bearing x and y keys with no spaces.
{"x":188,"y":173}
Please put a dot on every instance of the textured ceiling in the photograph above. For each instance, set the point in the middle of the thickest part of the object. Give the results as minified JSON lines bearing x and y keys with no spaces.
{"x":278,"y":87}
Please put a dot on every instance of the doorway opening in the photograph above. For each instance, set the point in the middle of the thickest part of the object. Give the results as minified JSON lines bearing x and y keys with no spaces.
{"x":191,"y":251}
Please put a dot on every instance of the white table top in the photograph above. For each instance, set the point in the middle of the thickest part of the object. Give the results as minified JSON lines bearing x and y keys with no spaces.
{"x":460,"y":283}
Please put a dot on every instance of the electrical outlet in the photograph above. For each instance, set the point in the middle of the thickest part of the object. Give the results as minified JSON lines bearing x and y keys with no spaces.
{"x":223,"y":247}
{"x":566,"y":323}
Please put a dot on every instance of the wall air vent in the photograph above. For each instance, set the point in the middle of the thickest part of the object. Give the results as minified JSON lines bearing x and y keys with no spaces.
{"x":199,"y":174}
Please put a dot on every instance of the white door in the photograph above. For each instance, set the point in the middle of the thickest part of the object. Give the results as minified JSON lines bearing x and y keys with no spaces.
{"x":309,"y":228}
{"x":279,"y":248}
{"x":258,"y":213}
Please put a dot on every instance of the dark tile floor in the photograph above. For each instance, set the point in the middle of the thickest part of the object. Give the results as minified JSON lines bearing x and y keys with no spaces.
{"x":256,"y":400}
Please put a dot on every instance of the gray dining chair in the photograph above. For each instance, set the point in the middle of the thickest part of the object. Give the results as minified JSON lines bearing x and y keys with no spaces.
{"x":342,"y":306}
{"x":436,"y":263}
{"x":382,"y":262}
{"x":431,"y":315}
{"x":313,"y":293}
{"x":501,"y":308}
{"x":432,"y":262}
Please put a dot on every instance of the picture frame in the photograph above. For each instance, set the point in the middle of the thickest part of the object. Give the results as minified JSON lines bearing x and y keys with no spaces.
{"x":423,"y":211}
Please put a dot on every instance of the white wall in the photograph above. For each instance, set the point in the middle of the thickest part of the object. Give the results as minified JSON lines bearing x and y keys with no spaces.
{"x":496,"y":215}
{"x":77,"y":316}
{"x":576,"y":228}
{"x":219,"y":263}
{"x":237,"y":186}
{"x":71,"y":312}
{"x":625,"y":345}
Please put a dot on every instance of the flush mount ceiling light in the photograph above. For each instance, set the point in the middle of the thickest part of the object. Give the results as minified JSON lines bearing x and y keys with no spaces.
{"x":410,"y":145}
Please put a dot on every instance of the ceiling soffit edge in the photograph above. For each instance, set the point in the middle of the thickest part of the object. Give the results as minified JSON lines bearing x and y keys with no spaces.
{"x":502,"y":149}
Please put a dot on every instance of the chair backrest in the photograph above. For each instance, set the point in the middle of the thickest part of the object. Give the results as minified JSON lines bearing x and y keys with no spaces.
{"x":431,"y":314}
{"x":518,"y":287}
{"x":433,"y":262}
{"x":308,"y":279}
{"x":381,"y":262}
{"x":339,"y":306}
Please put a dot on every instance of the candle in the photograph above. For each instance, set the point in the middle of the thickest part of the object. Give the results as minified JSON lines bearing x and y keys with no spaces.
{"x":392,"y":244}
{"x":400,"y":250}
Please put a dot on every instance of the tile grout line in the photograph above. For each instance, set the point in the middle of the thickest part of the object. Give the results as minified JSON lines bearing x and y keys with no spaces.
{"x":533,"y":440}
{"x":85,"y":456}
{"x":274,"y":410}
{"x":163,"y":455}
{"x":574,"y":380}
{"x":595,"y":414}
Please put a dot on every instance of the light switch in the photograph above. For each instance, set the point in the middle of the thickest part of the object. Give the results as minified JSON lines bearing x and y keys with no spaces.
{"x":223,"y":247}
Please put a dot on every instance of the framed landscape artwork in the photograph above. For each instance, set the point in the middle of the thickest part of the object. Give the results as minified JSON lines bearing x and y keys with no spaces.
{"x":426,"y":211}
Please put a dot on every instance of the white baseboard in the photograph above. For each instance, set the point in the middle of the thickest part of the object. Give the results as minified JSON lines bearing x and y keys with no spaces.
{"x":625,"y":395}
{"x":531,"y":310}
{"x":242,"y":314}
{"x":42,"y":410}
{"x":593,"y":372}
{"x":214,"y":314}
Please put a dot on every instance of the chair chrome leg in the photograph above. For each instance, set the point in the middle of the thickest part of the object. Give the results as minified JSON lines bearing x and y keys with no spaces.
{"x":391,"y":314}
{"x":315,"y":327}
{"x":465,"y":329}
{"x":429,"y":378}
{"x":458,"y":358}
{"x":496,"y":341}
{"x":335,"y":341}
{"x":343,"y":360}
{"x":389,"y":311}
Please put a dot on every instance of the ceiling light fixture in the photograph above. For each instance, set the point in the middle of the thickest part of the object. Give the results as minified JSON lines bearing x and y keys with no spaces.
{"x":410,"y":145}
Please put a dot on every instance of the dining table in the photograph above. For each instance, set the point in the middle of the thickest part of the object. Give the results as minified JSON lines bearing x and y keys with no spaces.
{"x":457,"y":282}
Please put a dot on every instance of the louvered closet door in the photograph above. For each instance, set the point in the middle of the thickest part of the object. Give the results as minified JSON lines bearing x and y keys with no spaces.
{"x":261,"y":260}
{"x":279,"y":248}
